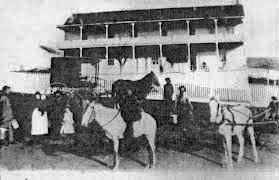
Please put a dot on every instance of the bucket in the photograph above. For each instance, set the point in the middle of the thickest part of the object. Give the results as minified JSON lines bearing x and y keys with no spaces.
{"x":15,"y":124}
{"x":3,"y":132}
{"x":174,"y":118}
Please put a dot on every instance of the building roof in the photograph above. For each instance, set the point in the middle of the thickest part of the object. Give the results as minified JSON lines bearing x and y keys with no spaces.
{"x":269,"y":63}
{"x":34,"y":70}
{"x":226,"y":11}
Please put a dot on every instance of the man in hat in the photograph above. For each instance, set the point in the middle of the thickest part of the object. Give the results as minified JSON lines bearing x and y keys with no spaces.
{"x":7,"y":113}
{"x":56,"y":109}
{"x":168,"y":92}
{"x":273,"y":106}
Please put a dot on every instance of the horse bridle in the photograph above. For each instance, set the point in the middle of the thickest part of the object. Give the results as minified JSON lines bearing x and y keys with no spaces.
{"x":218,"y":106}
{"x":218,"y":109}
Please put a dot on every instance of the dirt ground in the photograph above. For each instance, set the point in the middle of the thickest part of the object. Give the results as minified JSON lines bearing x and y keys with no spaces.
{"x":20,"y":157}
{"x":193,"y":149}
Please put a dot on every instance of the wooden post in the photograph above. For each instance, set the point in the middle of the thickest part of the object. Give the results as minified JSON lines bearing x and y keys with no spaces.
{"x":189,"y":55}
{"x":107,"y":31}
{"x":216,"y":39}
{"x":160,"y":28}
{"x":81,"y":32}
{"x":133,"y":30}
{"x":217,"y":51}
{"x":80,"y":52}
{"x":107,"y":53}
{"x":188,"y":28}
{"x":216,"y":26}
{"x":134,"y":57}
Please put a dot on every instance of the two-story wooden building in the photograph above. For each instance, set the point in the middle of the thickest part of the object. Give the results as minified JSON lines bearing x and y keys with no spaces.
{"x":201,"y":47}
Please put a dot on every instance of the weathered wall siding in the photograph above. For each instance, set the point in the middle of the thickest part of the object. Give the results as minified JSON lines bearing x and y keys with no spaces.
{"x":95,"y":36}
{"x":87,"y":69}
{"x":236,"y":58}
{"x":122,"y":34}
{"x":109,"y":69}
{"x":148,"y":34}
{"x":201,"y":31}
{"x":177,"y":32}
{"x":26,"y":82}
{"x":72,"y":36}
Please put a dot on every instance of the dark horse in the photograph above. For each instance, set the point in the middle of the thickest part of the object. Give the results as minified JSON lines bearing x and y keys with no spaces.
{"x":139,"y":88}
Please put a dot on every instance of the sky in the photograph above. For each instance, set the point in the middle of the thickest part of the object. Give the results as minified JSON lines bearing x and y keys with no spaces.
{"x":27,"y":24}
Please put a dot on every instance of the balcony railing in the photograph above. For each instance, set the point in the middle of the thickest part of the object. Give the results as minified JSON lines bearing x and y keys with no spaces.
{"x":141,"y":41}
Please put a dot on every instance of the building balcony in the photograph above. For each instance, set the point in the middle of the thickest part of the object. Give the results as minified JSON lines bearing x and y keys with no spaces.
{"x":154,"y":40}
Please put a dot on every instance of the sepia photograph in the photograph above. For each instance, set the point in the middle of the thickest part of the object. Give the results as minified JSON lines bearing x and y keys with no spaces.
{"x":139,"y":89}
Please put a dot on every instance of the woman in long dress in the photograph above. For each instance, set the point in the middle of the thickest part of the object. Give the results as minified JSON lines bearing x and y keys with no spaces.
{"x":39,"y":126}
{"x":183,"y":107}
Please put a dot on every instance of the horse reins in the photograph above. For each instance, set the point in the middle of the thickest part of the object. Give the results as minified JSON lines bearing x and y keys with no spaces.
{"x":111,"y":120}
{"x":233,"y":123}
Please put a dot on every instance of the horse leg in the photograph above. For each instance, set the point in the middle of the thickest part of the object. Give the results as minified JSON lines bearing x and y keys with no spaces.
{"x":152,"y":155}
{"x":226,"y":150}
{"x":253,"y":141}
{"x":115,"y":153}
{"x":229,"y":149}
{"x":241,"y":146}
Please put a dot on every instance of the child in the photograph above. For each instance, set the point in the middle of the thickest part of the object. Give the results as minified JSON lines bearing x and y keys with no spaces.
{"x":67,"y":123}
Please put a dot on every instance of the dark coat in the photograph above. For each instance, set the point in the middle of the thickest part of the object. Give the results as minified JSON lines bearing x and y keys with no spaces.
{"x":130,"y":109}
{"x":168,"y":91}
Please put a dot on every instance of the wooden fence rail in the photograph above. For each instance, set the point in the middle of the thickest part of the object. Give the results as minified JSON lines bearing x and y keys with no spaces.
{"x":256,"y":95}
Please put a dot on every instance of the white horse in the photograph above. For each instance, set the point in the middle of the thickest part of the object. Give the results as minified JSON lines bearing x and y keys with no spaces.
{"x":227,"y":116}
{"x":114,"y":126}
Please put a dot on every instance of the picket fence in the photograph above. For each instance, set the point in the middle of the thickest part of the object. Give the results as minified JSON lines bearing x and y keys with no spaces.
{"x":255,"y":95}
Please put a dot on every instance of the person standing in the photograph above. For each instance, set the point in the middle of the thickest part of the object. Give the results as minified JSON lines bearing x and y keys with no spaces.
{"x":39,"y":126}
{"x":168,"y":93}
{"x":7,"y":113}
{"x":56,"y":113}
{"x":274,"y":107}
{"x":183,"y":107}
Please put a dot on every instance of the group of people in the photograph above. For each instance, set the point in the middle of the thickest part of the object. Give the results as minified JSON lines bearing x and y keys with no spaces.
{"x":58,"y":114}
{"x":51,"y":117}
{"x":182,"y":106}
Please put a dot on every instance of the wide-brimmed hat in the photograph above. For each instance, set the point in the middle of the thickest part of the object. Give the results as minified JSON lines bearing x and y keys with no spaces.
{"x":5,"y":88}
{"x":274,"y":98}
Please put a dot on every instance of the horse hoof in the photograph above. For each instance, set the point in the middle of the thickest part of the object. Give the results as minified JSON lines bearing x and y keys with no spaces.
{"x":149,"y":167}
{"x":115,"y":168}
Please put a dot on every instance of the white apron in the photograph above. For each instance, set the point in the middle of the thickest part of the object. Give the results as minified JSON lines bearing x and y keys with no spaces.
{"x":39,"y":123}
{"x":68,"y":123}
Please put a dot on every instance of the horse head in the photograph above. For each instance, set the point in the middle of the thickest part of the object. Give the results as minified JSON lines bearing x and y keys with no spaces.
{"x":154,"y":79}
{"x":89,"y":115}
{"x":215,"y":110}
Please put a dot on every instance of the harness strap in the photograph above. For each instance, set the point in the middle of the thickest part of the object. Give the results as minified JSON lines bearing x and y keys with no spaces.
{"x":111,"y":120}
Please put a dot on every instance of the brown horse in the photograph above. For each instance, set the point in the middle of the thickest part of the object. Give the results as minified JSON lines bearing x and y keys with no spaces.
{"x":139,"y":88}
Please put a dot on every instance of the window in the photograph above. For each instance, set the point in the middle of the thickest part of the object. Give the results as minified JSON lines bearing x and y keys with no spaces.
{"x":155,"y":61}
{"x":111,"y":62}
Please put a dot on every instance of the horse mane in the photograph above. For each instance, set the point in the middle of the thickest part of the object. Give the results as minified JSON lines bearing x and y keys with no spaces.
{"x":146,"y":77}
